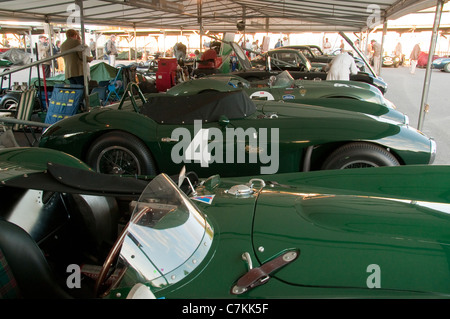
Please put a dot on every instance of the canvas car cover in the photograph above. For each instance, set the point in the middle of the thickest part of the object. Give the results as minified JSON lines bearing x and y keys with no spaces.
{"x":17,"y":56}
{"x":98,"y":72}
{"x":208,"y":107}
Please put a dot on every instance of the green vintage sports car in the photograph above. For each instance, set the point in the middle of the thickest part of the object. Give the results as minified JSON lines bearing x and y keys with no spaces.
{"x":368,"y":233}
{"x":283,"y":87}
{"x":230,"y":134}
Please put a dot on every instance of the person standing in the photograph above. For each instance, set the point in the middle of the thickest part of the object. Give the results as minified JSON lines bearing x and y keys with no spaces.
{"x":44,"y":52}
{"x":111,"y":50}
{"x":278,"y":44}
{"x":341,"y":67}
{"x":399,"y":52}
{"x":414,"y":57}
{"x":74,"y":61}
{"x":376,"y":48}
{"x":180,"y":51}
{"x":326,"y":46}
{"x":93,"y":48}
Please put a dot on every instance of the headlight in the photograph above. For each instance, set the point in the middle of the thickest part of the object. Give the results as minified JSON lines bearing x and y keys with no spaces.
{"x":406,"y":120}
{"x":433,"y":151}
{"x":388,"y":103}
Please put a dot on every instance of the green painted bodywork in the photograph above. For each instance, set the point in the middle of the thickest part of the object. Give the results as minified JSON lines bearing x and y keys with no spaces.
{"x":299,"y":127}
{"x":342,"y":222}
{"x":345,"y":95}
{"x":19,"y":161}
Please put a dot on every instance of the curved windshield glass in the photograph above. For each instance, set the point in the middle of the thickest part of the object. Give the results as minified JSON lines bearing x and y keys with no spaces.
{"x":167,"y":237}
{"x":284,"y":80}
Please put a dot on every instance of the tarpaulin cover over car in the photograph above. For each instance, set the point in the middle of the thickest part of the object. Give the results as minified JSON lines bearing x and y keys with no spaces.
{"x":208,"y":107}
{"x":17,"y":56}
{"x":98,"y":72}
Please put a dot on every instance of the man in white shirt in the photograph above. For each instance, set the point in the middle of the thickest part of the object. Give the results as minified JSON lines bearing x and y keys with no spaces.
{"x":341,"y":67}
{"x":326,"y":47}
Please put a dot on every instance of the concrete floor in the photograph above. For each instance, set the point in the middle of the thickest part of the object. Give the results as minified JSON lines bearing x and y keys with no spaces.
{"x":405,"y":91}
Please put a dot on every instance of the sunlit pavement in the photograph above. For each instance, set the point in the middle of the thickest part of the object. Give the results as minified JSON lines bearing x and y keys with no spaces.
{"x":405,"y":91}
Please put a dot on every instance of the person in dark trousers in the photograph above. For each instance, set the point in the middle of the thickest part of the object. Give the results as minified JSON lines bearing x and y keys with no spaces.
{"x":111,"y":50}
{"x":73,"y":61}
{"x":44,"y":52}
{"x":93,"y":48}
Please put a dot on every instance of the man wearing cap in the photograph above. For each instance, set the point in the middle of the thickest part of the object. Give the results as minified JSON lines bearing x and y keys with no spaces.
{"x":44,"y":52}
{"x":111,"y":50}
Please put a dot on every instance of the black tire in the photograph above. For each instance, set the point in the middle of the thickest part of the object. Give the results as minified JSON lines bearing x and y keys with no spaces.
{"x":10,"y":104}
{"x":447,"y":67}
{"x":359,"y":155}
{"x":122,"y":154}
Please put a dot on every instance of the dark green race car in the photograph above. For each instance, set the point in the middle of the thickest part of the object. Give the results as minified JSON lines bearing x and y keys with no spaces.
{"x":230,"y":134}
{"x":283,"y":87}
{"x":368,"y":233}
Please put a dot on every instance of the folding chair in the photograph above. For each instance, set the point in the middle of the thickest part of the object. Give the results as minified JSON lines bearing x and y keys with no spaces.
{"x":65,"y":102}
{"x":114,"y":87}
{"x":24,"y":112}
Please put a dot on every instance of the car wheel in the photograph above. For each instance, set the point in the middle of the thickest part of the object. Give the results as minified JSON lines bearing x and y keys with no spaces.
{"x":359,"y":155}
{"x":122,"y":154}
{"x":10,"y":104}
{"x":447,"y":67}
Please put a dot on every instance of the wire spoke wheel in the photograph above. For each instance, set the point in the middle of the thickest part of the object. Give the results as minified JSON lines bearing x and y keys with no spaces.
{"x":120,"y":153}
{"x":359,"y":155}
{"x":118,"y":160}
{"x":359,"y":164}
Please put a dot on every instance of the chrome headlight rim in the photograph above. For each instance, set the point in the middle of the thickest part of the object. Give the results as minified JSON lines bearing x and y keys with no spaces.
{"x":432,"y":150}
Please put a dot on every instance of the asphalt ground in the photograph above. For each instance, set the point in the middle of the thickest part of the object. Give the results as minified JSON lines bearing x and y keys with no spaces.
{"x":405,"y":91}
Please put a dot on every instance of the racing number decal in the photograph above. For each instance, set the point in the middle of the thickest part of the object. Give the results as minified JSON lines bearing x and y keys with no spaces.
{"x":262,"y":95}
{"x":197,"y":150}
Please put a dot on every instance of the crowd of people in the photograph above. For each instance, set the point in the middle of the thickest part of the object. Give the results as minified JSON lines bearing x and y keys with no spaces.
{"x":341,"y":67}
{"x":343,"y":64}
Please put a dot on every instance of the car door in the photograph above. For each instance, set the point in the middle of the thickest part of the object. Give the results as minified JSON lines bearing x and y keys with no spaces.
{"x":350,"y":241}
{"x":238,"y":148}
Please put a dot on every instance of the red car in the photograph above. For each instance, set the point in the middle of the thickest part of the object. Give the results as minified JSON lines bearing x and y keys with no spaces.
{"x":423,"y":59}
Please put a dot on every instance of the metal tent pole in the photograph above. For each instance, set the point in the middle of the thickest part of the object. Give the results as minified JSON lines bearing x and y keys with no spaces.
{"x":426,"y":85}
{"x":85,"y":64}
{"x":382,"y":47}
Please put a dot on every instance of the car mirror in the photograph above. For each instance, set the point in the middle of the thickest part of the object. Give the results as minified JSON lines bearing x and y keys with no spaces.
{"x":224,"y":121}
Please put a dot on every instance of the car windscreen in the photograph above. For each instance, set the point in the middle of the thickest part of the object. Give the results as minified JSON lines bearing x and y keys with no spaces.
{"x":167,"y":237}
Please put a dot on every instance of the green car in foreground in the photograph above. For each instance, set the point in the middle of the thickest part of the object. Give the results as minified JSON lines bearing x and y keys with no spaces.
{"x":227,"y":133}
{"x":368,"y":233}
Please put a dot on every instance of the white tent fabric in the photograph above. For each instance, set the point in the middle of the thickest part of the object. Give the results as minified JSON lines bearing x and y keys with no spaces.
{"x":219,"y":16}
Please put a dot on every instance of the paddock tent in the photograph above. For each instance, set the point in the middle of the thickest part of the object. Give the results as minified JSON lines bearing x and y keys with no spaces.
{"x":216,"y":16}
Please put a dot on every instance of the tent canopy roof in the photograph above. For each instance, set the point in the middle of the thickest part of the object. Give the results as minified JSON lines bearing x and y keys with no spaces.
{"x":218,"y":16}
